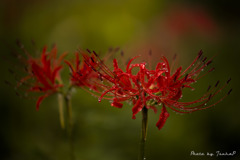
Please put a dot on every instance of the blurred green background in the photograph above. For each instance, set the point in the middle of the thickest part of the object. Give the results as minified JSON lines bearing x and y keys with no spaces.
{"x":102,"y":132}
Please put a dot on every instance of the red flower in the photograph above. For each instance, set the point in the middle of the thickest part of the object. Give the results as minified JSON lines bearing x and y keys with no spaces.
{"x":43,"y":73}
{"x":82,"y":74}
{"x":148,"y":88}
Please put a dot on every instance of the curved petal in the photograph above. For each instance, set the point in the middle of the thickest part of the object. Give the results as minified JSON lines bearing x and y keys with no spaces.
{"x":39,"y":101}
{"x":117,"y":104}
{"x":136,"y":108}
{"x":163,"y":117}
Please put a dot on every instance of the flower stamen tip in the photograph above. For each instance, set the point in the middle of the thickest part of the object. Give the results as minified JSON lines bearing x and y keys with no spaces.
{"x":229,"y":80}
{"x":229,"y":92}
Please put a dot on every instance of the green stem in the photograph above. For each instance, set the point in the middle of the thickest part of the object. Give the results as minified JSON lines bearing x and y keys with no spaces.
{"x":70,"y":124}
{"x":69,"y":113}
{"x":61,"y":113}
{"x":144,"y":133}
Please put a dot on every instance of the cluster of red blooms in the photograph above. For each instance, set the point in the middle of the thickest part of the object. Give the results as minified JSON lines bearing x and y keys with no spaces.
{"x":147,"y":88}
{"x":82,"y":74}
{"x":43,"y":73}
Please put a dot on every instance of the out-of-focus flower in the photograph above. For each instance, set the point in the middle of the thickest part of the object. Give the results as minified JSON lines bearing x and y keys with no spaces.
{"x":184,"y":20}
{"x":178,"y":28}
{"x":43,"y":73}
{"x":154,"y":88}
{"x":82,"y":73}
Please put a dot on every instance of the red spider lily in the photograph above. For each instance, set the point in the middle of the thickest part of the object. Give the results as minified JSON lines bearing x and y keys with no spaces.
{"x":43,"y":73}
{"x":182,"y":20}
{"x":148,"y":88}
{"x":82,"y":73}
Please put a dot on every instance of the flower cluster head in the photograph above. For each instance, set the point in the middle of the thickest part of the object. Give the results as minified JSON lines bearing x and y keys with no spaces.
{"x":82,"y":73}
{"x":152,"y":88}
{"x":43,"y":73}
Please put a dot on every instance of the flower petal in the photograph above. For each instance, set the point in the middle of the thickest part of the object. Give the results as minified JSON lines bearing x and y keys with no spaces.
{"x":129,"y":62}
{"x":55,"y":73}
{"x":137,"y":108}
{"x":39,"y":101}
{"x":39,"y":74}
{"x":117,"y":104}
{"x":153,"y":108}
{"x":163,"y":117}
{"x":115,"y":64}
